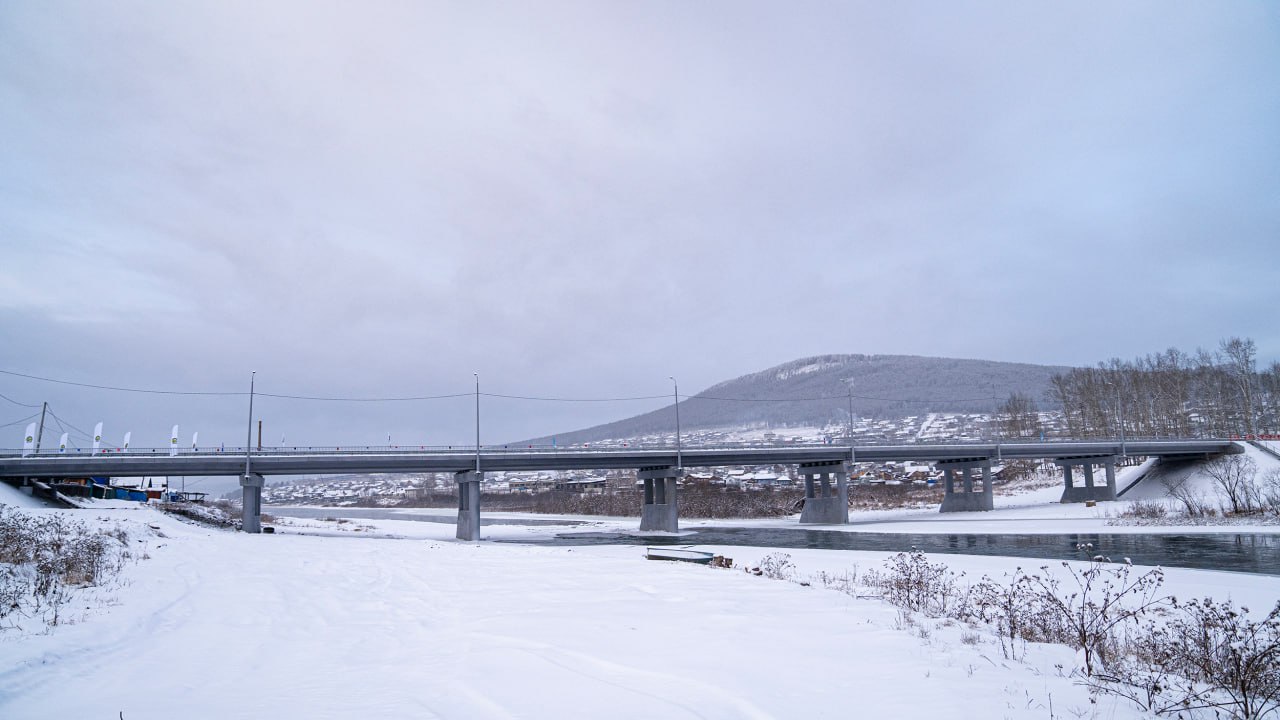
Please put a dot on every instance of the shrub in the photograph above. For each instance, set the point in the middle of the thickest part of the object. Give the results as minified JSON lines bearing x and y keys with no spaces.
{"x":910,"y":581}
{"x":1145,"y":509}
{"x":1103,"y":600}
{"x":777,"y":566}
{"x":1219,"y":646}
{"x":1012,"y":608}
{"x":46,"y":558}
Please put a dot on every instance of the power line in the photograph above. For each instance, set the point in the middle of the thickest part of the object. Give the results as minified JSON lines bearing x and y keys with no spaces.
{"x":19,"y":422}
{"x":416,"y":398}
{"x":562,"y":399}
{"x":117,"y":389}
{"x":60,"y":422}
{"x":64,"y":430}
{"x":356,"y":399}
{"x":15,"y":402}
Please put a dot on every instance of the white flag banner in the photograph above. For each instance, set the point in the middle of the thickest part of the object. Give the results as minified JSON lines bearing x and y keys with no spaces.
{"x":173,"y":441}
{"x":62,"y":443}
{"x":29,"y":441}
{"x":195,"y":440}
{"x":97,"y":437}
{"x":127,"y":437}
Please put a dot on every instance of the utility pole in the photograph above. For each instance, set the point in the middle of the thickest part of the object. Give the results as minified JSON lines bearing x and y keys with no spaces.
{"x":676,"y":395}
{"x":40,"y":433}
{"x":995,"y":412}
{"x":850,"y":389}
{"x":248,"y":438}
{"x":477,"y":424}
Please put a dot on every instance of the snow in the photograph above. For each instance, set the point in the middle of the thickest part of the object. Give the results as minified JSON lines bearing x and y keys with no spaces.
{"x":228,"y":626}
{"x":395,"y":619}
{"x":10,"y":495}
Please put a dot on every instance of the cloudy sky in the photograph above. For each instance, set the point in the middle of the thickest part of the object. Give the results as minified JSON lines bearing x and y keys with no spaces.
{"x":374,"y":199}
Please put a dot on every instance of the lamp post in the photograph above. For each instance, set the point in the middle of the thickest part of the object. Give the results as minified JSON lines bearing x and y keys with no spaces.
{"x":477,"y":375}
{"x":995,"y":414}
{"x":675,"y":394}
{"x":850,"y":390}
{"x":248,"y":438}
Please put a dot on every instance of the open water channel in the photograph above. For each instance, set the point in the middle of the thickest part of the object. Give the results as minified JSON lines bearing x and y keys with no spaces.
{"x":1239,"y":552}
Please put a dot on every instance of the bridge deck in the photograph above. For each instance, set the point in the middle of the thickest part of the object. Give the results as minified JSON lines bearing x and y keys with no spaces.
{"x":341,"y":462}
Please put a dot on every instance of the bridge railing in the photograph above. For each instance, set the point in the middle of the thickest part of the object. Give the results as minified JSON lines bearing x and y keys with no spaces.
{"x":526,"y":448}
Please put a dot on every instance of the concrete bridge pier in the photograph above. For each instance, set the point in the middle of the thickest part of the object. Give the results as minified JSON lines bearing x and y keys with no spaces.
{"x":965,"y":497}
{"x":468,"y":504}
{"x":1073,"y":493}
{"x":251,"y":503}
{"x":822,"y":506}
{"x":661,"y":509}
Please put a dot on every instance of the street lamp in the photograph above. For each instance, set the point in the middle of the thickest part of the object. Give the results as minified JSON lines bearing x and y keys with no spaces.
{"x":675,"y":394}
{"x":477,"y":376}
{"x":850,"y":391}
{"x":248,"y":440}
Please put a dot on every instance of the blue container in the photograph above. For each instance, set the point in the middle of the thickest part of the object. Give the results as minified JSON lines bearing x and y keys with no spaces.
{"x":137,"y":496}
{"x":122,"y":494}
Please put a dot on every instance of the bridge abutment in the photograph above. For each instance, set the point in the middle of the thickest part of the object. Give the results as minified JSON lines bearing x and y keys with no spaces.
{"x":251,"y":503}
{"x":1089,"y":490}
{"x":823,"y":504}
{"x":966,"y":498}
{"x":468,"y":504}
{"x":661,"y":509}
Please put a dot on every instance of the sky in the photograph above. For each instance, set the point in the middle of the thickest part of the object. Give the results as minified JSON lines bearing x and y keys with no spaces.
{"x":583,"y":200}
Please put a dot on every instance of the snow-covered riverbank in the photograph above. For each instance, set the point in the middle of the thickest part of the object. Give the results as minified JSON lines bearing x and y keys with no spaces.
{"x":395,"y":619}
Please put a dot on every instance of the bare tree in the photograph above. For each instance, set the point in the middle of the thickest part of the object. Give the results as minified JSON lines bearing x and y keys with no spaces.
{"x":1240,"y":364}
{"x":1018,"y":417}
{"x":1179,"y":487}
{"x":1234,"y":476}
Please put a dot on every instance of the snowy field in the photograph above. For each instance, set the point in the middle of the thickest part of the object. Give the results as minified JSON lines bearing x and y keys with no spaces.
{"x":395,"y":619}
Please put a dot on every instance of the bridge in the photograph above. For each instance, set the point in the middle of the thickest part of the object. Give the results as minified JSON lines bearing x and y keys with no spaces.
{"x":966,"y":469}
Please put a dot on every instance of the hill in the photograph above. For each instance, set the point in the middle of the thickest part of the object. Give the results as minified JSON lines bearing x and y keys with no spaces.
{"x":814,"y":391}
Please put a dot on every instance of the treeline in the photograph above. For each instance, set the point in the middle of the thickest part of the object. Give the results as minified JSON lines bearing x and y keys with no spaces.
{"x":1208,"y":393}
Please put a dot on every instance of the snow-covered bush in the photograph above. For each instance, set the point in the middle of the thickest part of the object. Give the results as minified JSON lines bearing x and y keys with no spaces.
{"x":1089,"y":609}
{"x":910,"y":581}
{"x":220,"y":513}
{"x":1217,"y":646}
{"x":1145,"y":510}
{"x":777,"y":566}
{"x":44,"y":559}
{"x":1206,"y":660}
{"x":1011,"y":608}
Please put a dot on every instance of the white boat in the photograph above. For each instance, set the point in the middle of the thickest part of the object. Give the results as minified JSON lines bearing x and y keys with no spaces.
{"x":678,"y":554}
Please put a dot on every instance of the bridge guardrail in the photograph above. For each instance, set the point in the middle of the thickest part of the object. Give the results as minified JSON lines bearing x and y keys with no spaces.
{"x":551,"y":449}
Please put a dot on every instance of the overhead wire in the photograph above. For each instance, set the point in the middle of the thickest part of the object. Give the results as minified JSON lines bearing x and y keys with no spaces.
{"x":416,"y":398}
{"x":15,"y":402}
{"x":60,"y":422}
{"x":563,"y":399}
{"x":117,"y":389}
{"x":33,"y":416}
{"x":64,"y":430}
{"x":355,"y":399}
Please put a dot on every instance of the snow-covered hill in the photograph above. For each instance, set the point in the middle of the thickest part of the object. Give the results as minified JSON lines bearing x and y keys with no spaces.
{"x":814,"y":391}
